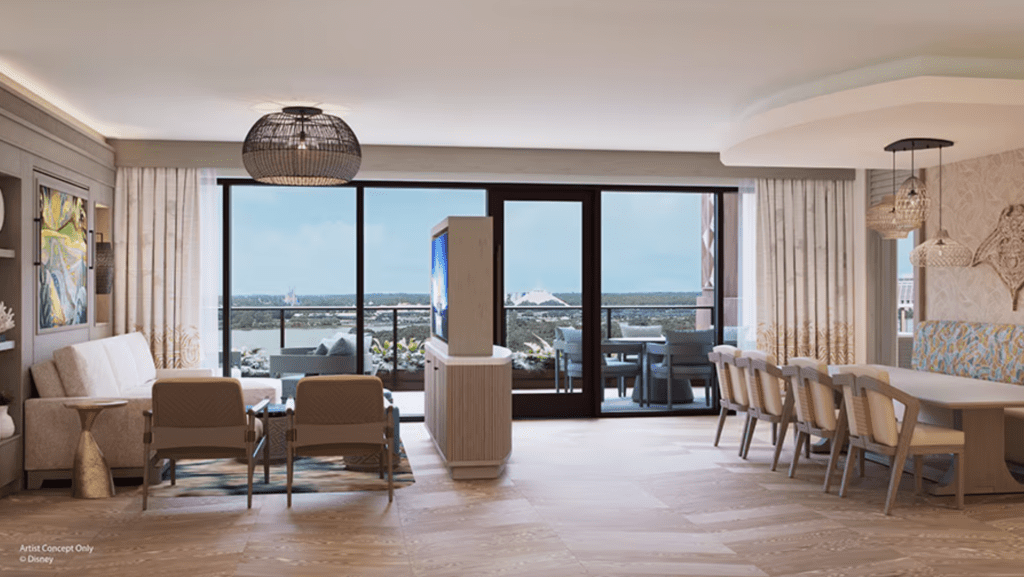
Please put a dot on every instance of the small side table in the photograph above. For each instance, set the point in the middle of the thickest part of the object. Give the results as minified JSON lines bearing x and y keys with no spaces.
{"x":91,"y":478}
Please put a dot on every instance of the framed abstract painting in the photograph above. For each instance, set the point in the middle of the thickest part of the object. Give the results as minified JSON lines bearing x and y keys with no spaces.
{"x":62,"y":256}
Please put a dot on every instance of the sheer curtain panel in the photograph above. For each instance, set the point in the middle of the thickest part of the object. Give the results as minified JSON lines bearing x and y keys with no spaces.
{"x":805,"y":269}
{"x":157,"y":261}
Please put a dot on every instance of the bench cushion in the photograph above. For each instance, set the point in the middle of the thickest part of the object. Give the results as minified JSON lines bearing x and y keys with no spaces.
{"x":975,"y":350}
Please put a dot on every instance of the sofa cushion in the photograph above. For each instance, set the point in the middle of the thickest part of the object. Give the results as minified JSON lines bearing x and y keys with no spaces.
{"x":122,"y":362}
{"x":47,"y":380}
{"x":343,"y":346}
{"x":143,"y":356}
{"x":85,"y":370}
{"x":640,"y":331}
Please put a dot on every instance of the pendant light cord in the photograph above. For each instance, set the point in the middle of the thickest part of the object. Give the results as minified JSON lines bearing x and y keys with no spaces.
{"x":940,"y":188}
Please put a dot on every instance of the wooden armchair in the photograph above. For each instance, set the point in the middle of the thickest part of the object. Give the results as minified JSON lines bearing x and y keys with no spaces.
{"x":764,"y":388}
{"x":341,"y":415}
{"x":816,"y":412}
{"x":869,"y":397}
{"x":732,"y":388}
{"x":202,"y":418}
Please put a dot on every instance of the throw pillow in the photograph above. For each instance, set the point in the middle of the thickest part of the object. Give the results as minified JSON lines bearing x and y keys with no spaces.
{"x":321,"y":349}
{"x":342,"y":347}
{"x":640,"y":331}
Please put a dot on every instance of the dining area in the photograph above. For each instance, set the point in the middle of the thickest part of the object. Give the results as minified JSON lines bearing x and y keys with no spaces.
{"x":649,"y":367}
{"x":893,"y":417}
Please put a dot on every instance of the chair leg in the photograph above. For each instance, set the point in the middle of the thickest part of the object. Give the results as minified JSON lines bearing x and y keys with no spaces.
{"x":838,"y":439}
{"x":800,"y":440}
{"x":743,"y":437}
{"x":721,"y":424}
{"x":851,"y":456}
{"x":391,"y":472}
{"x":918,"y":468}
{"x":898,"y":461}
{"x":781,"y":438}
{"x":961,"y":478}
{"x":775,"y":433}
{"x":252,"y":467}
{"x":750,"y":437}
{"x":291,"y":470}
{"x":863,"y":463}
{"x":145,"y":479}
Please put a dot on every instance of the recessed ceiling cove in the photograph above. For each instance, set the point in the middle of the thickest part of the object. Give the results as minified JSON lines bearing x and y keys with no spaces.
{"x":846,"y":120}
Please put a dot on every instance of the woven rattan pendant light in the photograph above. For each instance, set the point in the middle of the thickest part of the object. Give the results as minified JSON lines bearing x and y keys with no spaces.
{"x":941,"y":250}
{"x":301,"y":146}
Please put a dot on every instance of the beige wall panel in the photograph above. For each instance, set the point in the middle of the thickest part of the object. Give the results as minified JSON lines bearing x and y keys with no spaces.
{"x":974,"y":192}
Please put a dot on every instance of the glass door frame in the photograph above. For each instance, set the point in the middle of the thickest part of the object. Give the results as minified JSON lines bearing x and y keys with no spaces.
{"x":547,"y":405}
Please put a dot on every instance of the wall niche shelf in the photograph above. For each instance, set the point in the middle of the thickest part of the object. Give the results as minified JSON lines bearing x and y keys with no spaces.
{"x":6,"y":345}
{"x":6,"y":253}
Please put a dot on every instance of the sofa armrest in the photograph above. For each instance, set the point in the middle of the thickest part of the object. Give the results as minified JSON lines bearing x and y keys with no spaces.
{"x":183,"y":373}
{"x":52,"y":431}
{"x":312,"y":364}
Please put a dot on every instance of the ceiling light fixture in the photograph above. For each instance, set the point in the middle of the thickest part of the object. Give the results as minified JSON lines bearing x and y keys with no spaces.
{"x":301,"y":146}
{"x":941,"y":250}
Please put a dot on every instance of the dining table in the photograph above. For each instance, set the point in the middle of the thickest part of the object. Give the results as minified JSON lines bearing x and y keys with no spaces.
{"x":977,"y":408}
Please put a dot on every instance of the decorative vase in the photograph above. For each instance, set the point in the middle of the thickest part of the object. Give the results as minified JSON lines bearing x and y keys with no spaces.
{"x":6,"y":423}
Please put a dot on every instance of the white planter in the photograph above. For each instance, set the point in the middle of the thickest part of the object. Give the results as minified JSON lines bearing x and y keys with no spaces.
{"x":6,"y":423}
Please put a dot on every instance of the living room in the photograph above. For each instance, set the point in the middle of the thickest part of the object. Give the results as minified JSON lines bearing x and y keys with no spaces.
{"x":566,"y":124}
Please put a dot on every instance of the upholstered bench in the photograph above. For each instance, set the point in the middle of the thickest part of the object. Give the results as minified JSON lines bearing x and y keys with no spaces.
{"x":991,"y":352}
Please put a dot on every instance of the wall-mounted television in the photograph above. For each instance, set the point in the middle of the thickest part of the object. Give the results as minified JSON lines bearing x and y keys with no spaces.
{"x":439,"y":286}
{"x":461,"y":286}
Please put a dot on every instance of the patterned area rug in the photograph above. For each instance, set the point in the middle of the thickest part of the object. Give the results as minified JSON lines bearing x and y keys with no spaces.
{"x":212,"y":477}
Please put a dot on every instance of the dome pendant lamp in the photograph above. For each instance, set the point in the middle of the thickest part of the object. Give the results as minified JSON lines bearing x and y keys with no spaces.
{"x":301,"y":146}
{"x":941,"y":250}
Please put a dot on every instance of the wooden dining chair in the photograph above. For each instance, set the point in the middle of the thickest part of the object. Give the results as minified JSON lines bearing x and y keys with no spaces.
{"x":873,"y":426}
{"x":816,"y":412}
{"x":765,"y":390}
{"x":732,"y":388}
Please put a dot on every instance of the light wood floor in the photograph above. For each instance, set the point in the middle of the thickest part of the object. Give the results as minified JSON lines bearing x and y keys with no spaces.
{"x":610,"y":497}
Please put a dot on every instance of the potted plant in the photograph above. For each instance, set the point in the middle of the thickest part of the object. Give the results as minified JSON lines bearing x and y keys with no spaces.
{"x":6,"y":422}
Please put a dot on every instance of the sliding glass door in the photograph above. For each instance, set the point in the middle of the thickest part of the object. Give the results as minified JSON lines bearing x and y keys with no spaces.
{"x":546,"y":309}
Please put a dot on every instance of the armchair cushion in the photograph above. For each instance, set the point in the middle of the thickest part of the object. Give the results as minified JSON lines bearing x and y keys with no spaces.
{"x":640,"y":331}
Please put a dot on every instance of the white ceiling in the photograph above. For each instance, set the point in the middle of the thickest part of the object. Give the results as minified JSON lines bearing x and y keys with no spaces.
{"x":764,"y":82}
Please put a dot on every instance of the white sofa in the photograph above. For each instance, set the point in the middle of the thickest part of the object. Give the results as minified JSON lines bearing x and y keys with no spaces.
{"x":119,"y":367}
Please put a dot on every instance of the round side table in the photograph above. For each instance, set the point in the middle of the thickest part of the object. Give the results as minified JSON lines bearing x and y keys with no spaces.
{"x":91,"y":478}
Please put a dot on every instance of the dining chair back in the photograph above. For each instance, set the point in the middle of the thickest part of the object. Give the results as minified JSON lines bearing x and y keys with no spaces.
{"x":765,"y":390}
{"x":873,"y":426}
{"x":732,"y":389}
{"x":816,"y":412}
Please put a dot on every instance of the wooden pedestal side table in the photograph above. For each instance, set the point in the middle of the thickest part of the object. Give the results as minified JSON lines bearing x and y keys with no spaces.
{"x":91,"y":478}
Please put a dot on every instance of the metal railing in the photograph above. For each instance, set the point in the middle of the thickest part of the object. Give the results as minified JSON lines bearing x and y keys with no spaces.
{"x":282,"y":317}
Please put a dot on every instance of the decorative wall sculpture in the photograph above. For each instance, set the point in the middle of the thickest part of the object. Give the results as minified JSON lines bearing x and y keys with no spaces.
{"x":1004,"y":250}
{"x":63,"y":259}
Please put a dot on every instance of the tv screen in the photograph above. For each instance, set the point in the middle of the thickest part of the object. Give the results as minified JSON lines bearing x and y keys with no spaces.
{"x":439,"y":287}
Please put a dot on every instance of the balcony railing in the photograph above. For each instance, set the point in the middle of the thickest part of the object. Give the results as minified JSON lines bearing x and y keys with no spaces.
{"x":286,"y":313}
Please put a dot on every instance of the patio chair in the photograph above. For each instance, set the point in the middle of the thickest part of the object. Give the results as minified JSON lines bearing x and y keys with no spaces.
{"x":681,"y":359}
{"x":202,"y":418}
{"x":341,"y":415}
{"x":873,"y":427}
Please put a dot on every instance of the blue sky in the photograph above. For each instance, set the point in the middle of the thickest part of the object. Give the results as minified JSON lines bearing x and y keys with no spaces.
{"x":304,"y":238}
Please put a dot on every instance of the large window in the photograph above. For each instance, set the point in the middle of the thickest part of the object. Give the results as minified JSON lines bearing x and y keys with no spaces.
{"x":397,"y":265}
{"x":309,"y":263}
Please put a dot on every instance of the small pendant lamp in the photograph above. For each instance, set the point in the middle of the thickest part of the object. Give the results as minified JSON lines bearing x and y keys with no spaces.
{"x":941,"y":250}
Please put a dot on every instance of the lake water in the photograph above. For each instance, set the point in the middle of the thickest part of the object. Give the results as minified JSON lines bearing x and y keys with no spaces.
{"x":270,"y":339}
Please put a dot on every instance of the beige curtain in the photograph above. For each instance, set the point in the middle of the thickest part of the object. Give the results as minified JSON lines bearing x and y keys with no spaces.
{"x":805,"y":269}
{"x":156,"y":251}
